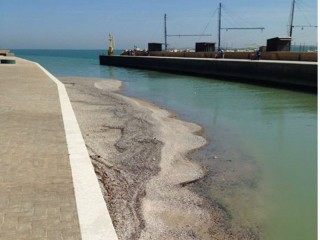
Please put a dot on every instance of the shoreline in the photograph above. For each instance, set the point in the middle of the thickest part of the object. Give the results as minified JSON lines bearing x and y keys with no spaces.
{"x":140,"y":154}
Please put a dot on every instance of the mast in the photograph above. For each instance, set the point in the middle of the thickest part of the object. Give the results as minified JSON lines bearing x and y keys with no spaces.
{"x":291,"y":18}
{"x":219,"y":26}
{"x":165,"y":32}
{"x":291,"y":26}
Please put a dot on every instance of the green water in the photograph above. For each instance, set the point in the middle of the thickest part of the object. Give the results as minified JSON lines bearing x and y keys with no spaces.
{"x":265,"y":140}
{"x":274,"y":130}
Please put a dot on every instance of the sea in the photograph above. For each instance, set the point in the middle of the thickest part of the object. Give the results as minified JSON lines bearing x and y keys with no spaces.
{"x":262,"y":153}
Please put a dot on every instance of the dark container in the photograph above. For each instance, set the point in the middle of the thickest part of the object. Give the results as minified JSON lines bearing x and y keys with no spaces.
{"x":153,"y":47}
{"x":205,"y":47}
{"x":278,"y":44}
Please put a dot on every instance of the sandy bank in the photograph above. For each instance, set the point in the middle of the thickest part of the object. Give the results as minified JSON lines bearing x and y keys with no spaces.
{"x":139,"y":154}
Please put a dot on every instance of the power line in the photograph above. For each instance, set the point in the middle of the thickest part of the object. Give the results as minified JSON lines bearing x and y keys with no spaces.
{"x":302,"y":9}
{"x":205,"y":29}
{"x":166,"y":35}
{"x":231,"y":28}
{"x":243,"y":28}
{"x":187,"y":35}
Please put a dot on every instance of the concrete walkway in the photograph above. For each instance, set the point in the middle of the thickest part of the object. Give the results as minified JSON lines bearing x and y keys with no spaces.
{"x":42,"y":193}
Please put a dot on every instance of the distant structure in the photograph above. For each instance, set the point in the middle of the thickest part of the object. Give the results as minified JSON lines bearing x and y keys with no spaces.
{"x":278,"y":44}
{"x":153,"y":47}
{"x":205,"y":47}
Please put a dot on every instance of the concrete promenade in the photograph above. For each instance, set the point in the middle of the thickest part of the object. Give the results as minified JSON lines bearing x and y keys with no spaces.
{"x":48,"y":189}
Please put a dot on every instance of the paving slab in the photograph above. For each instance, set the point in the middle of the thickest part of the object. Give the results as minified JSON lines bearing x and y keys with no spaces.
{"x":39,"y":189}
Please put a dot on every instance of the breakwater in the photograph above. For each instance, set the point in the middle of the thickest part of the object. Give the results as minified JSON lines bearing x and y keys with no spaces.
{"x":289,"y":74}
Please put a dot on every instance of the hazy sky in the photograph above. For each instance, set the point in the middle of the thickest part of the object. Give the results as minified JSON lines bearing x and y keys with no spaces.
{"x":84,"y":24}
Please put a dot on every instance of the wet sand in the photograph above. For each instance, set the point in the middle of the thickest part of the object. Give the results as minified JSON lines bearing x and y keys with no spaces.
{"x":139,"y":152}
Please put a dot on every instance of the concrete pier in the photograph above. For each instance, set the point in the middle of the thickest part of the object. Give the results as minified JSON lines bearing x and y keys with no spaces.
{"x":48,"y":188}
{"x":291,"y":74}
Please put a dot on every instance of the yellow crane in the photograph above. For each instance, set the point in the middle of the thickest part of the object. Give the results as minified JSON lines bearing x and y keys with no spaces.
{"x":111,"y":45}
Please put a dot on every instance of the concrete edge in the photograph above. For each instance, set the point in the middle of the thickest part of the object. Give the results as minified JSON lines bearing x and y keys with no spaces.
{"x":225,"y":59}
{"x":94,"y":218}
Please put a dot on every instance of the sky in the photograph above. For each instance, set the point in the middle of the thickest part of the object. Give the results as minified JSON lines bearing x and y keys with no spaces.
{"x":85,"y":24}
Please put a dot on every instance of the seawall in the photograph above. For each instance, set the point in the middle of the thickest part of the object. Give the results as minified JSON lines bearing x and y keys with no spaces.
{"x":289,"y":74}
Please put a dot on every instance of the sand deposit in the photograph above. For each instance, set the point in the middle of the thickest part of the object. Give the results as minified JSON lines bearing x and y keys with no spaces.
{"x":139,"y":153}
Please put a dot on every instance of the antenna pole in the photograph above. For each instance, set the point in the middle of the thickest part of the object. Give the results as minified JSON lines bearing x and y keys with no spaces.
{"x":219,"y":26}
{"x":291,"y":18}
{"x":165,"y":32}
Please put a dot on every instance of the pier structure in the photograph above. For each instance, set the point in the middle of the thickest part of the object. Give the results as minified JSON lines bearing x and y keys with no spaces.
{"x":48,"y":188}
{"x":290,"y":74}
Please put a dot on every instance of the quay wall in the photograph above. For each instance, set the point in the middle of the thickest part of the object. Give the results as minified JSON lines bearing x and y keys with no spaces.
{"x":299,"y":75}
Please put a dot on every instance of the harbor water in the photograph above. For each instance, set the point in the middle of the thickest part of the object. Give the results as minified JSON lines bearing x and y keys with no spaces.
{"x":262,"y":153}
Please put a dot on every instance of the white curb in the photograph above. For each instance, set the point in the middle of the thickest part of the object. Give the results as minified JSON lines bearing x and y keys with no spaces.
{"x":94,"y":218}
